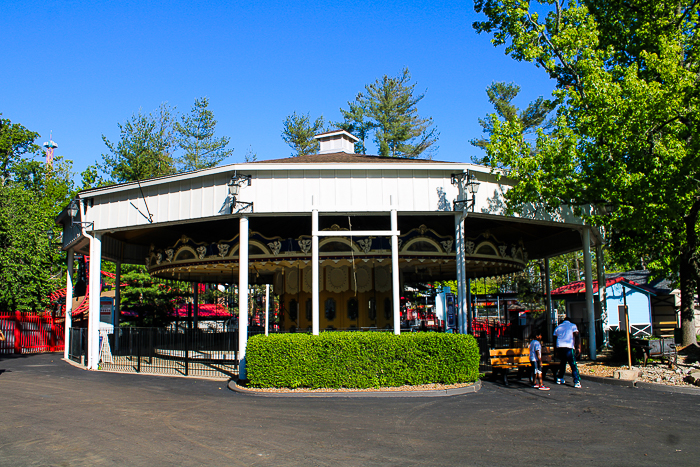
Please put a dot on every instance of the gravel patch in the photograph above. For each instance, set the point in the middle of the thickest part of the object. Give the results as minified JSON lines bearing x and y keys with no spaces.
{"x":658,"y":373}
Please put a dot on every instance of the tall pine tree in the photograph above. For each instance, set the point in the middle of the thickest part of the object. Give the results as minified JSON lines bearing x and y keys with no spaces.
{"x":195,"y":136}
{"x":388,"y":108}
{"x":145,"y":147}
{"x":299,"y":132}
{"x":501,"y":95}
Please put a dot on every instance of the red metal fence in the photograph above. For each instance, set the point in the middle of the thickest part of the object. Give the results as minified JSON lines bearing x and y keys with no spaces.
{"x":490,"y":327}
{"x":31,"y":333}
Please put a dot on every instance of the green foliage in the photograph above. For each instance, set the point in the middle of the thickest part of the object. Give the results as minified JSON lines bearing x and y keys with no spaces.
{"x":195,"y":136}
{"x":501,"y":96}
{"x":388,"y":108}
{"x":299,"y":132}
{"x":360,"y":360}
{"x":624,"y":135}
{"x":145,"y":147}
{"x":618,"y":342}
{"x":153,"y":301}
{"x":15,"y":142}
{"x":26,"y":255}
{"x":355,"y":122}
{"x":31,"y":194}
{"x":250,"y":155}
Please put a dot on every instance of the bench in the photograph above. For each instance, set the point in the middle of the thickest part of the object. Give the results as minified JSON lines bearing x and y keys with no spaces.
{"x":504,"y":360}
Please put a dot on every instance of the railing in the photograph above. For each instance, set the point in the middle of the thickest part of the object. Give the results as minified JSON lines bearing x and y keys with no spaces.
{"x":161,"y":351}
{"x":77,"y":348}
{"x":30,"y":333}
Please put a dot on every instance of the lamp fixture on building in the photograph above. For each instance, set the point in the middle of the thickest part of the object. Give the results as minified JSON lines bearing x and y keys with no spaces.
{"x":73,"y":213}
{"x":466,"y":182}
{"x":234,"y":189}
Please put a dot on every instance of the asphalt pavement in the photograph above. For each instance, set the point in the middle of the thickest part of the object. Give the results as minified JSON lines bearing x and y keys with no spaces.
{"x":54,"y":414}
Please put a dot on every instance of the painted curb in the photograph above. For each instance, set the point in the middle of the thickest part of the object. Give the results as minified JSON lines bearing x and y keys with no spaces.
{"x":432,"y":393}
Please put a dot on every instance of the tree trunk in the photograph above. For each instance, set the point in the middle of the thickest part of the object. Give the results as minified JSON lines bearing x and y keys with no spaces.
{"x":689,"y":275}
{"x":688,"y":288}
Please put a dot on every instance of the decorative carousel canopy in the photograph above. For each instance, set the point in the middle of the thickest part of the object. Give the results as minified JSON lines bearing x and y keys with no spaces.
{"x":424,"y":254}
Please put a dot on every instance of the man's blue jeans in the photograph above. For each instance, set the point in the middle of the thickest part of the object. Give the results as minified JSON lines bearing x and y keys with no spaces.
{"x":567,"y":356}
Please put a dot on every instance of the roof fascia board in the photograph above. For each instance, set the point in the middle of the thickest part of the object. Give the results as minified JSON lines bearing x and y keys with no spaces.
{"x":633,"y":287}
{"x":264,"y":167}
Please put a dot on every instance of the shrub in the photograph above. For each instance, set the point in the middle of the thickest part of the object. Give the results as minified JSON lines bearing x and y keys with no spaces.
{"x":618,"y":342}
{"x":360,"y":360}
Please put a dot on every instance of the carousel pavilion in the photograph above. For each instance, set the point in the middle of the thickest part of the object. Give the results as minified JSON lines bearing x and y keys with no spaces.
{"x":337,"y":234}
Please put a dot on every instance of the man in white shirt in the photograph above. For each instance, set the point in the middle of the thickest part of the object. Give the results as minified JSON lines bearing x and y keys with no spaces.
{"x":566,"y":338}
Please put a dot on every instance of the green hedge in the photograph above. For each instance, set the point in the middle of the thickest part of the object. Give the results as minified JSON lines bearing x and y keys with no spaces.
{"x":360,"y":359}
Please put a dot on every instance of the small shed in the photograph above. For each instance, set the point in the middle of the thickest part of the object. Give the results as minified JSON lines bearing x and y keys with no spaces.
{"x":651,"y":309}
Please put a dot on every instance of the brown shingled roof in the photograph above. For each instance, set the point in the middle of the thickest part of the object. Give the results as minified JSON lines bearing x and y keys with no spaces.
{"x":342,"y":157}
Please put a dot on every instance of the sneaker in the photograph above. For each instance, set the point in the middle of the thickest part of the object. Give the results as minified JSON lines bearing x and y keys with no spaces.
{"x":577,"y":385}
{"x":543,"y":388}
{"x":560,"y":381}
{"x":536,"y":386}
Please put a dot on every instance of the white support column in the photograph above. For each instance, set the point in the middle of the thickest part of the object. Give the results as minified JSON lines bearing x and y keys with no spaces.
{"x":315,"y":285}
{"x":602,"y":293}
{"x":461,"y":275}
{"x":459,"y":259}
{"x":267,"y":309}
{"x":242,"y":295}
{"x":586,"y":235}
{"x":396,"y":300}
{"x":548,"y":305}
{"x":69,"y":303}
{"x":93,"y":351}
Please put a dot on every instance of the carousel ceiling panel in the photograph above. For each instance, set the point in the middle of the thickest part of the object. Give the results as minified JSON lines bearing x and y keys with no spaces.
{"x":540,"y":239}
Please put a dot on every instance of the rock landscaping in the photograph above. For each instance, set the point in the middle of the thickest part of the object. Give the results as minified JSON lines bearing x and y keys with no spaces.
{"x":685,"y":373}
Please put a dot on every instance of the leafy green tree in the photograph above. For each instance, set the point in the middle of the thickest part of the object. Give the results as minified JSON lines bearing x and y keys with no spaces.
{"x":195,"y":136}
{"x":625,"y":133}
{"x":388,"y":108}
{"x":299,"y":132}
{"x":31,"y":194}
{"x":26,"y":255}
{"x":250,"y":155}
{"x":145,"y":147}
{"x":355,"y":122}
{"x":15,"y":142}
{"x":154,"y":302}
{"x":501,"y":95}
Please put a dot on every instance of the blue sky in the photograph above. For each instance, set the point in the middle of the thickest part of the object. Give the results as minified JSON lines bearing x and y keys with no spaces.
{"x":78,"y":68}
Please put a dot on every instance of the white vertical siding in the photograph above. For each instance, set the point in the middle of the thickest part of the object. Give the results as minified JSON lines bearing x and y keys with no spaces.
{"x":287,"y":191}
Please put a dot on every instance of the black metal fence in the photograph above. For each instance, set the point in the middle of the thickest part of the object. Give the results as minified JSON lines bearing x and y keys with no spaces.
{"x":77,"y":350}
{"x":162,"y":351}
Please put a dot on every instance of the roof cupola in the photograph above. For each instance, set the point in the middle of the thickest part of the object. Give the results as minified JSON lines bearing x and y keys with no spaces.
{"x":337,"y":141}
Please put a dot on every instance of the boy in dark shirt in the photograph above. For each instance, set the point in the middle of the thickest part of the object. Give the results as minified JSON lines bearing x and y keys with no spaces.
{"x":536,"y":361}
